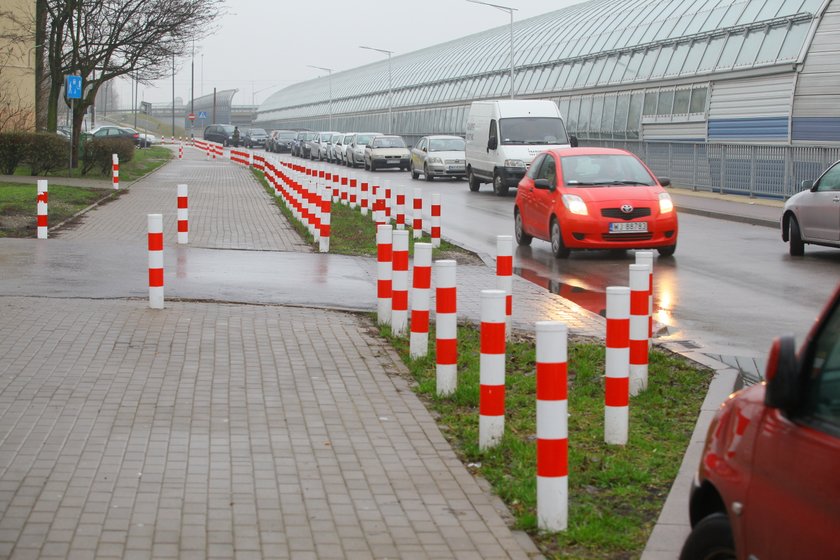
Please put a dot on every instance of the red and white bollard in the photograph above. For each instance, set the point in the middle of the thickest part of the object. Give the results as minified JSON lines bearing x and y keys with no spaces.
{"x":365,"y":197}
{"x":345,"y":190}
{"x":639,"y":277}
{"x":646,"y":257}
{"x":617,"y":366}
{"x":417,"y":215}
{"x":183,"y":215}
{"x":115,"y":169}
{"x":552,"y":426}
{"x":326,"y":219}
{"x":354,"y":186}
{"x":155,"y":222}
{"x":180,"y":151}
{"x":420,"y":300}
{"x":446,"y":327}
{"x":504,"y":274}
{"x":384,"y":258}
{"x":42,"y":207}
{"x":491,"y":403}
{"x":435,"y":228}
{"x":399,"y":284}
{"x":400,"y":207}
{"x":378,"y":205}
{"x":388,"y":192}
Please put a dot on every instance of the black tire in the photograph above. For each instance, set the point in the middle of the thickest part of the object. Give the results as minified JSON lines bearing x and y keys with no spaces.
{"x":797,"y":246}
{"x":414,"y":174}
{"x":372,"y":166}
{"x":711,"y":539}
{"x":426,"y":175}
{"x":473,"y":181}
{"x":667,"y":251}
{"x":557,"y":247}
{"x":522,"y":238}
{"x":499,"y":186}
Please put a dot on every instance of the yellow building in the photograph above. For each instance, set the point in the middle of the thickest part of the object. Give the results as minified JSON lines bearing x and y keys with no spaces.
{"x":17,"y":65}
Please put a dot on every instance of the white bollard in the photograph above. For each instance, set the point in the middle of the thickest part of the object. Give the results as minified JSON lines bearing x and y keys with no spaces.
{"x":155,"y":223}
{"x":417,"y":214}
{"x":639,"y":277}
{"x":183,"y":215}
{"x":384,"y":258}
{"x":399,"y":283}
{"x":646,"y":257}
{"x":446,"y":327}
{"x":420,"y":300}
{"x":504,"y":274}
{"x":491,"y":407}
{"x":326,"y":219}
{"x":42,"y":208}
{"x":115,"y":168}
{"x":617,"y":366}
{"x":435,"y":228}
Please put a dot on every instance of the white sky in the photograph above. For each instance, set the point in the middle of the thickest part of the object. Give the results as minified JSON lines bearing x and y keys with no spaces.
{"x":261,"y":46}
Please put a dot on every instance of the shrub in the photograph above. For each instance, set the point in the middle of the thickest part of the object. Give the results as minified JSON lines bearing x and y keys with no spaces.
{"x":13,"y":147}
{"x":47,"y":152}
{"x":98,"y":152}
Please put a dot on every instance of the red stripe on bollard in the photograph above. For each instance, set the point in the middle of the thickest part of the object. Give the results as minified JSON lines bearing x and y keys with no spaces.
{"x":491,"y":400}
{"x":617,"y":391}
{"x":552,"y":384}
{"x":552,"y":457}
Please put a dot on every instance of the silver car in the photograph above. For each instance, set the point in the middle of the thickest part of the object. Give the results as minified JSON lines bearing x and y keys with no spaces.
{"x":438,"y":156}
{"x":355,"y":155}
{"x":334,"y":148}
{"x":813,"y":215}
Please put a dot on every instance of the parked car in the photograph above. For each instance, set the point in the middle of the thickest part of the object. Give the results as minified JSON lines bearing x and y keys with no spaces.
{"x":594,"y":198}
{"x":355,"y":155}
{"x":341,"y":148}
{"x":766,"y":486}
{"x":386,"y":152}
{"x":438,"y":156}
{"x":813,"y":215}
{"x":148,"y":139}
{"x":318,"y":145}
{"x":117,"y":132}
{"x":302,"y":143}
{"x":254,"y":138}
{"x":334,"y":147}
{"x":219,"y":133}
{"x":280,"y":141}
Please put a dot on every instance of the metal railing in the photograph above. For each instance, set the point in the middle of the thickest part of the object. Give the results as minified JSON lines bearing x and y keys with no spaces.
{"x":752,"y":170}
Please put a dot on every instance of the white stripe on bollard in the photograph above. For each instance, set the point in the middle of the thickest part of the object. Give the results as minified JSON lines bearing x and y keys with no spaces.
{"x":446,"y":327}
{"x":384,"y":258}
{"x":491,"y":403}
{"x":420,"y":300}
{"x":42,"y":208}
{"x":183,"y":215}
{"x":504,"y":274}
{"x":617,"y":366}
{"x":552,"y":426}
{"x":639,"y":277}
{"x":155,"y":223}
{"x":399,"y":283}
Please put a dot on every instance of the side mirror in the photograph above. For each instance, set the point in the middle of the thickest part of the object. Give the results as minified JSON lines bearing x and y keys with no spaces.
{"x":543,"y":184}
{"x":783,"y":388}
{"x":492,"y":143}
{"x":426,"y":150}
{"x":806,"y":185}
{"x":664,"y":181}
{"x":573,"y":141}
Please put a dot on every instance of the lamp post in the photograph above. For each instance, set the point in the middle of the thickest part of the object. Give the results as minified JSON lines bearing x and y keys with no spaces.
{"x":509,"y":11}
{"x":390,"y":93}
{"x":329,"y":75}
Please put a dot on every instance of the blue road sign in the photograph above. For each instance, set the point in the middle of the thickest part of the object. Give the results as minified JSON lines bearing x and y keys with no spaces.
{"x":73,"y":87}
{"x":202,"y":114}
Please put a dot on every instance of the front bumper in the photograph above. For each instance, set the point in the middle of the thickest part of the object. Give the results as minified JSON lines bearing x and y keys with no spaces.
{"x":390,"y":162}
{"x":589,"y":232}
{"x":441,"y":169}
{"x":511,"y":175}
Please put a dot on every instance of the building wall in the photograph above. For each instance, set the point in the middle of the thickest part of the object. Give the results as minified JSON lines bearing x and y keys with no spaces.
{"x":17,"y":65}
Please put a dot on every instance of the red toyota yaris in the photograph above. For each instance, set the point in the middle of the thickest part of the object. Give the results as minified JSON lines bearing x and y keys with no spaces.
{"x":594,"y":198}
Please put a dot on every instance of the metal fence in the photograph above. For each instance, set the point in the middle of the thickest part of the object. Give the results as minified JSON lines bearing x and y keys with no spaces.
{"x":754,"y":170}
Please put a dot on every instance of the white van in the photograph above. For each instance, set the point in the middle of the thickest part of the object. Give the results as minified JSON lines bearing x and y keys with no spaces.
{"x":504,"y":136}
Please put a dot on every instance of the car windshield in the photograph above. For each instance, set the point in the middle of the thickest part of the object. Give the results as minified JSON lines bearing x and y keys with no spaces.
{"x":388,"y":142}
{"x":363,"y":139}
{"x":286,"y":135}
{"x":258,"y":132}
{"x":446,"y":145}
{"x":326,"y":137}
{"x":604,"y":170}
{"x":310,"y":136}
{"x":227,"y":128}
{"x":533,"y":130}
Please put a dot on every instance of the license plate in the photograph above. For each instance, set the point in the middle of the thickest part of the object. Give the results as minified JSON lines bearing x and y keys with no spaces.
{"x":628,"y":227}
{"x":455,"y":168}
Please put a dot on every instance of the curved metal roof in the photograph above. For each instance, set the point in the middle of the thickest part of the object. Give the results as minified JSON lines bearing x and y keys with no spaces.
{"x":594,"y":44}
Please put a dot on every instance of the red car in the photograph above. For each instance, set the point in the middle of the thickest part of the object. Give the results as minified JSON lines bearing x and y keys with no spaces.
{"x":767,"y":486}
{"x":594,"y":198}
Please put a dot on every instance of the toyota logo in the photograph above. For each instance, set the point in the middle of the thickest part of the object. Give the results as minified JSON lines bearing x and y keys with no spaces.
{"x":627,"y":208}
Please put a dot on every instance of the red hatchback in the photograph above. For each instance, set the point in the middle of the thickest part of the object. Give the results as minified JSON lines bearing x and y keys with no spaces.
{"x":594,"y":198}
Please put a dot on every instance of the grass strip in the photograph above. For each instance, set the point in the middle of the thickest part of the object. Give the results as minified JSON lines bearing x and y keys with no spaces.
{"x":615,"y":492}
{"x":18,"y":208}
{"x":144,"y":162}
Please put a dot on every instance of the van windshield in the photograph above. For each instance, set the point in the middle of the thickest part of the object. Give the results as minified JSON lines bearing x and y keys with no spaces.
{"x":533,"y":130}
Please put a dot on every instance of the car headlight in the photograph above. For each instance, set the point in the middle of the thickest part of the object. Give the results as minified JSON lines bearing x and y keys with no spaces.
{"x":665,"y":203}
{"x":575,"y":204}
{"x":435,"y":160}
{"x":514,"y":163}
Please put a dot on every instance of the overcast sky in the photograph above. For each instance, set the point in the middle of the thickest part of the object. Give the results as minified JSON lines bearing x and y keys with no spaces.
{"x":262,"y":46}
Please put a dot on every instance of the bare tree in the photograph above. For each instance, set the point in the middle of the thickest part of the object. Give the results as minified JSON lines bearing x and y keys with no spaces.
{"x":104,"y":39}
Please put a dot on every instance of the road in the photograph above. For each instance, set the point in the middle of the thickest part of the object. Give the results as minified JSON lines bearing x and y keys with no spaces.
{"x":731,"y":287}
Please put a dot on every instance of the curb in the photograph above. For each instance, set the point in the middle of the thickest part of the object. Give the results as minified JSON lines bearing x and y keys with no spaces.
{"x":751,"y":220}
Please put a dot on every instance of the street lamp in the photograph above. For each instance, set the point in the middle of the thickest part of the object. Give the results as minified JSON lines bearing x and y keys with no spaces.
{"x":329,"y":75}
{"x":509,"y":11}
{"x":390,"y":96}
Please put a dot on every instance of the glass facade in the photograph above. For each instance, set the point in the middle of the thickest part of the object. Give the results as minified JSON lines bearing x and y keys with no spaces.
{"x":602,"y":44}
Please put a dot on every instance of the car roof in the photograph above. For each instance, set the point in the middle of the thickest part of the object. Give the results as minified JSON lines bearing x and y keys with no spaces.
{"x":589,"y":151}
{"x":444,"y":137}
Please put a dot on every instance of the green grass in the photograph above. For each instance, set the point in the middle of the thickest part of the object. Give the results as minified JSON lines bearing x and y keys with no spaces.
{"x":144,"y":161}
{"x":18,"y":208}
{"x":350,"y":232}
{"x":616,"y":492}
